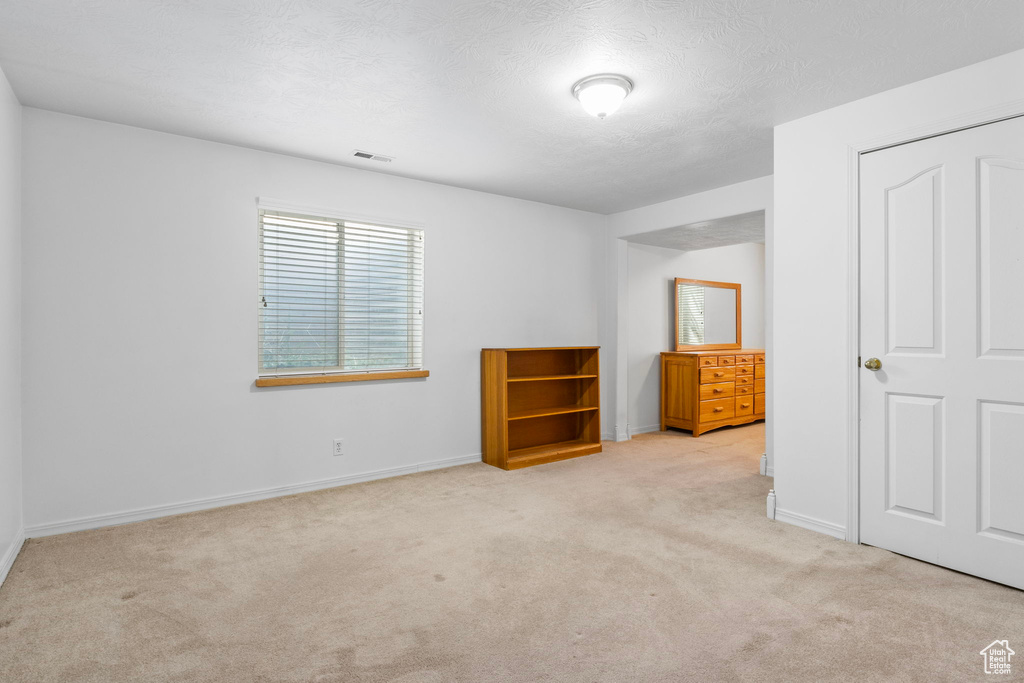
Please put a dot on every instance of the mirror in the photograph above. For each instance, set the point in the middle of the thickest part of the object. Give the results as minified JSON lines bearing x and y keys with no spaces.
{"x":707,"y":315}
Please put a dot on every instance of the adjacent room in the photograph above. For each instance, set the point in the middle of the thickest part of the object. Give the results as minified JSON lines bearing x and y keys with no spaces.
{"x":467,"y":340}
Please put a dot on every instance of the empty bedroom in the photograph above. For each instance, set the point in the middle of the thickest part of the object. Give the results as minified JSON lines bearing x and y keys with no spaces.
{"x":469,"y":340}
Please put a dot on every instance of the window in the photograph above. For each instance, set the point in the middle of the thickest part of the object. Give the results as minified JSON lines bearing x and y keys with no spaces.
{"x":690,"y":314}
{"x":338,"y":297}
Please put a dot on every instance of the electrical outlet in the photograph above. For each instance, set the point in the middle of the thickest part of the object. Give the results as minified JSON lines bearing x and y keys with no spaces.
{"x":339,"y":447}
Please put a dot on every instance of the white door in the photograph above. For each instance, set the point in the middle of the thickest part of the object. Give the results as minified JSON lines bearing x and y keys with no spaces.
{"x":942,"y":309}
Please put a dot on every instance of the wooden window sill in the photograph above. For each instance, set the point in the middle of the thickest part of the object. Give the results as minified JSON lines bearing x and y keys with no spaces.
{"x":330,"y":379}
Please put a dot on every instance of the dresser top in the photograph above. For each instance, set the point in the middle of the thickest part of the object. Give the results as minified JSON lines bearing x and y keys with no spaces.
{"x":714,"y":352}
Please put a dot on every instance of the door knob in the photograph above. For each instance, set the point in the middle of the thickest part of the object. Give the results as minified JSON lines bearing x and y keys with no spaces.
{"x":873,"y":364}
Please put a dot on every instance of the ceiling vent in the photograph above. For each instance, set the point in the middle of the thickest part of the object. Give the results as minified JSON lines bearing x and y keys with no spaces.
{"x":369,"y":155}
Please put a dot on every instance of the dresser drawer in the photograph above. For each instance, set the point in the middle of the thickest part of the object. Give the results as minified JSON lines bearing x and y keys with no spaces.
{"x":744,"y":389}
{"x":709,"y":375}
{"x":759,"y":358}
{"x":724,"y":361}
{"x":759,"y":404}
{"x":744,"y":405}
{"x":746,"y":380}
{"x":717,"y":390}
{"x":744,"y":370}
{"x":744,"y":360}
{"x":719,"y":409}
{"x":758,"y":386}
{"x":759,"y":371}
{"x":708,"y":361}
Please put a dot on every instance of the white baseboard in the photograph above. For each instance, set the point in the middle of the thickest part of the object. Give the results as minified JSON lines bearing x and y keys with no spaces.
{"x":11,"y":555}
{"x":805,"y":522}
{"x":607,"y":436}
{"x":633,"y":431}
{"x":769,"y":471}
{"x":141,"y":514}
{"x":439,"y":464}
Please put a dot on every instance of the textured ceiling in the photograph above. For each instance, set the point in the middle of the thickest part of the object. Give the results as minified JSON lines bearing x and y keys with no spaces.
{"x":720,"y":232}
{"x":475,"y":93}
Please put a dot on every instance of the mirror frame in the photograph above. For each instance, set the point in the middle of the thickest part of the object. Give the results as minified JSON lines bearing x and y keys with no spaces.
{"x":707,"y":347}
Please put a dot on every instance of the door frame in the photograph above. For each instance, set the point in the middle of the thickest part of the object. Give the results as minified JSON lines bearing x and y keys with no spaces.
{"x":944,"y":126}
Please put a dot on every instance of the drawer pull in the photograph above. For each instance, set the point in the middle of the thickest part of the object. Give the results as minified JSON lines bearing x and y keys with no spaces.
{"x":744,"y":405}
{"x":719,"y":409}
{"x":719,"y":374}
{"x":717,"y":391}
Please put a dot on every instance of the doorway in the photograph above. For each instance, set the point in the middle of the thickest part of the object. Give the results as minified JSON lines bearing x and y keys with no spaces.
{"x":730,"y":250}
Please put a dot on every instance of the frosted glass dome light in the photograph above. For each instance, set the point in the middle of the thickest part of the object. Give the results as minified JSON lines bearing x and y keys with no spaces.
{"x":602,"y":94}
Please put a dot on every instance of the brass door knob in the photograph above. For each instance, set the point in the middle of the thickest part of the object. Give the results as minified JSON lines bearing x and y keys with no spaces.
{"x":873,"y":364}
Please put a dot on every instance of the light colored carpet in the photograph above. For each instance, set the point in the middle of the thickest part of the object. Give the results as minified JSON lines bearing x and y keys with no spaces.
{"x":652,"y":561}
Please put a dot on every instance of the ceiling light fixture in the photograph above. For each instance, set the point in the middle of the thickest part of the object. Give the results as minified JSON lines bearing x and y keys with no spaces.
{"x":602,"y":94}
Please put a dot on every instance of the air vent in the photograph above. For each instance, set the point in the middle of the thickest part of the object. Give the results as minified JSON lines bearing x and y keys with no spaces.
{"x":370,"y":155}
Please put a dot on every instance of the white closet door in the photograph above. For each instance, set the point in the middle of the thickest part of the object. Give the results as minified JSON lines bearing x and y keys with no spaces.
{"x":942,"y":310}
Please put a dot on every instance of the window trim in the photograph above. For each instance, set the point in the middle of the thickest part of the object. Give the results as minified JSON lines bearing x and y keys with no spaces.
{"x":264,"y":379}
{"x":292,"y":380}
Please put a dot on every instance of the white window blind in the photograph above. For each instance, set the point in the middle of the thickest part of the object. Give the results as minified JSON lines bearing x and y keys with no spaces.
{"x":338,"y":296}
{"x":690,"y":314}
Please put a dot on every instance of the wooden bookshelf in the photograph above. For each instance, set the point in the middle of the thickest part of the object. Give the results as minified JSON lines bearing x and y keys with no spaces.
{"x":540,"y":405}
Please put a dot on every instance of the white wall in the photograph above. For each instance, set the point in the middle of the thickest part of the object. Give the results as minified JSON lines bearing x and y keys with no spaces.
{"x":140,"y":320}
{"x":731,"y":200}
{"x":10,"y":327}
{"x":814,"y":311}
{"x":652,"y":271}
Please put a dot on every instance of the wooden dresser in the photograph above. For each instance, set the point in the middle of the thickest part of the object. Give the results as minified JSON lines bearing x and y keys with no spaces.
{"x":705,"y":390}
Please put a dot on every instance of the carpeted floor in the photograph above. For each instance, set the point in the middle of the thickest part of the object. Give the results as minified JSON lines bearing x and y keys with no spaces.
{"x":651,"y":561}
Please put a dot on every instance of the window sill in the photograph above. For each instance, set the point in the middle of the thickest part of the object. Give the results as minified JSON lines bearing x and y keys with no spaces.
{"x":331,"y":379}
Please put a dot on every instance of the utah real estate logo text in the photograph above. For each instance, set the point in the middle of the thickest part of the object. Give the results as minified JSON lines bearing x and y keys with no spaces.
{"x":997,"y":657}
